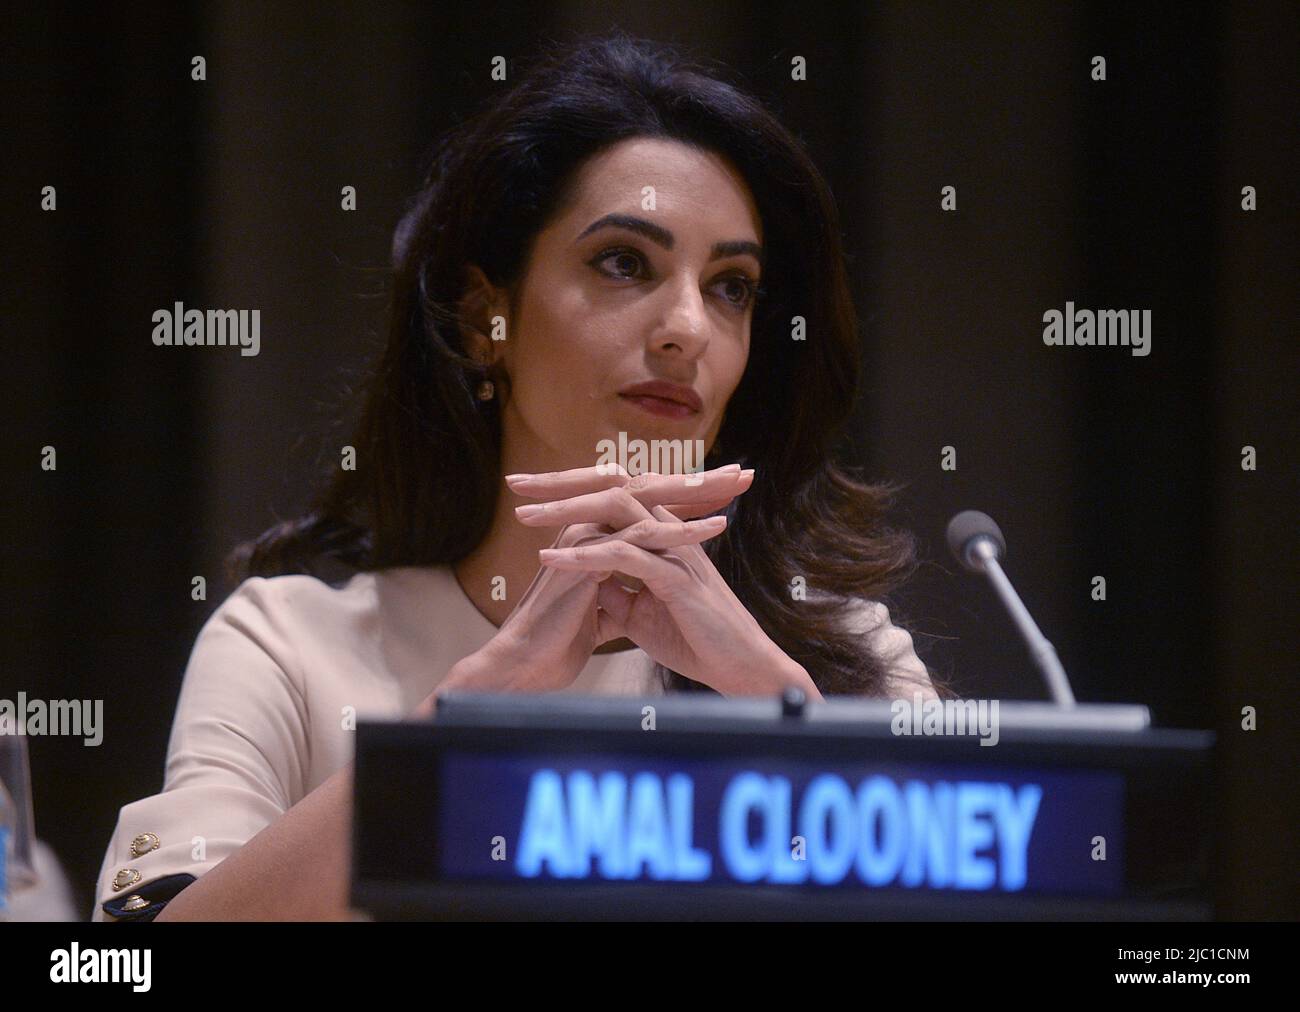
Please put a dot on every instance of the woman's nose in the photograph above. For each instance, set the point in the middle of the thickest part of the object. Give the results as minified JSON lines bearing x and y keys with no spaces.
{"x":685,"y":324}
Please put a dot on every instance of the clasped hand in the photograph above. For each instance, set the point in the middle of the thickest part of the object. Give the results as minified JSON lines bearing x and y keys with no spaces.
{"x":618,"y":529}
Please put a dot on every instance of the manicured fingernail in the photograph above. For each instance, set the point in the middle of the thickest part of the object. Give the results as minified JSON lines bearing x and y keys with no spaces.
{"x":711,"y":523}
{"x":531,"y":510}
{"x":518,"y":479}
{"x":547,"y":553}
{"x":729,"y":469}
{"x":747,"y":473}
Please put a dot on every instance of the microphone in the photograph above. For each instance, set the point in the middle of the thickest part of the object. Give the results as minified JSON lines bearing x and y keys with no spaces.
{"x":977,"y":543}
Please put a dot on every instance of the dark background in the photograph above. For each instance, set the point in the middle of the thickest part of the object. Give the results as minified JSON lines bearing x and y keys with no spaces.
{"x":1117,"y":194}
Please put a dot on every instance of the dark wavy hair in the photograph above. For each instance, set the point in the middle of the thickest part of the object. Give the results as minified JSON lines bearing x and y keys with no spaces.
{"x":427,"y":450}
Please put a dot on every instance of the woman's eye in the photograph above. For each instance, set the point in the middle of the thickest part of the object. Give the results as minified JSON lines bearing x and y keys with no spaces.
{"x":620,"y":257}
{"x":747,"y":289}
{"x":741,"y":292}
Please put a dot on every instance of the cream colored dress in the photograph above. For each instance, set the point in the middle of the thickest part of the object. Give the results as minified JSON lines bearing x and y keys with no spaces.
{"x":277,"y":679}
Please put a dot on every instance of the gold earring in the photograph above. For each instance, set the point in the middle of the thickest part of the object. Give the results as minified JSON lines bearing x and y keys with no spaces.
{"x":486,"y":390}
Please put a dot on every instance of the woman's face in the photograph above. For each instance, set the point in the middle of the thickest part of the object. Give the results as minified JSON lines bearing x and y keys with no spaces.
{"x":647,"y":276}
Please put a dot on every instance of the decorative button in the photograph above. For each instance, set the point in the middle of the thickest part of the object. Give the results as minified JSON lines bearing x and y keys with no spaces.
{"x":144,"y":843}
{"x":124,"y":878}
{"x":134,"y":902}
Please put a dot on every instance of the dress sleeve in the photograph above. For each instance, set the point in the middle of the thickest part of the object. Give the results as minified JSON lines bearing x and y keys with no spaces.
{"x":237,"y":759}
{"x":893,"y":644}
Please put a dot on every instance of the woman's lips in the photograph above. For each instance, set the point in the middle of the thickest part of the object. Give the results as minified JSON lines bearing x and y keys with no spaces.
{"x":660,"y":406}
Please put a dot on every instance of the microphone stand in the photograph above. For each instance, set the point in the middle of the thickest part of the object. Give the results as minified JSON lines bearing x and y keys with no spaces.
{"x":1040,"y":647}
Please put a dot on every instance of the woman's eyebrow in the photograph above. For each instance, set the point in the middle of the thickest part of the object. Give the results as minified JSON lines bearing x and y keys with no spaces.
{"x":660,"y":235}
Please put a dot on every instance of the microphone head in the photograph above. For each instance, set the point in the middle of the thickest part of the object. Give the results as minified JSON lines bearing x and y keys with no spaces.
{"x":967,"y":527}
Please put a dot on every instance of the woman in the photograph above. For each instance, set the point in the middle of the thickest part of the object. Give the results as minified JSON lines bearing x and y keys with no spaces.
{"x":620,"y":248}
